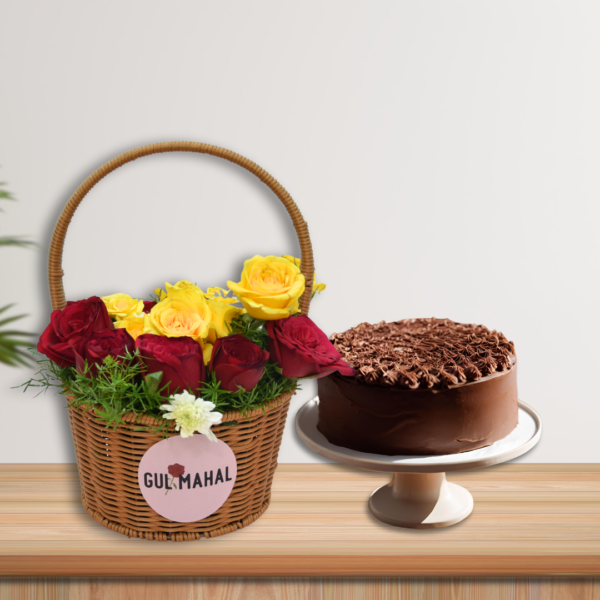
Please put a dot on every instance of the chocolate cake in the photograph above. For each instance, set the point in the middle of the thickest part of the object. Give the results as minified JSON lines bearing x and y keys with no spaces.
{"x":421,"y":386}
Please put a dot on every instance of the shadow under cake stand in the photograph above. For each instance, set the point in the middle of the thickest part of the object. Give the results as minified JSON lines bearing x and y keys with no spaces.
{"x":419,"y":496}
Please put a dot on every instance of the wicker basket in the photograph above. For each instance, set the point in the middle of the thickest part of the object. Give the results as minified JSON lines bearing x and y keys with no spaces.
{"x":108,"y":459}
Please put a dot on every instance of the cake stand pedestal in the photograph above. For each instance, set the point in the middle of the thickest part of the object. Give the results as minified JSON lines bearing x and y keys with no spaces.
{"x":419,"y":496}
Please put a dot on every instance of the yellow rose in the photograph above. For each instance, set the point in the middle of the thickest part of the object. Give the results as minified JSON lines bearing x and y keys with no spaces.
{"x":182,"y":289}
{"x":218,"y":294}
{"x":222,"y":314}
{"x":207,"y":353}
{"x":317,"y":287}
{"x":121,"y":306}
{"x":270,"y":287}
{"x":179,"y":317}
{"x":134,"y":325}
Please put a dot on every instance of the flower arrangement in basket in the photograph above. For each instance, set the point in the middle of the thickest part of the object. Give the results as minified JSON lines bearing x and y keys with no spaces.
{"x":189,"y":352}
{"x":220,"y":364}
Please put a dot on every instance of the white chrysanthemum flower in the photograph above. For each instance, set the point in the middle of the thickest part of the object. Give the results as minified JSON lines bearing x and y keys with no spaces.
{"x":192,"y":414}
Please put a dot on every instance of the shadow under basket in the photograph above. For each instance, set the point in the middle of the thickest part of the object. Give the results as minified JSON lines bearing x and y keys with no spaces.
{"x":108,"y":460}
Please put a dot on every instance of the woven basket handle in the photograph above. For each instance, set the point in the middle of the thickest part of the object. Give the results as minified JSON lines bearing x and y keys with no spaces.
{"x":55,"y":271}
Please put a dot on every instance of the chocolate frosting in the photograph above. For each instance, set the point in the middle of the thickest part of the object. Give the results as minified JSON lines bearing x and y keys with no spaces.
{"x":423,"y":353}
{"x":421,"y":386}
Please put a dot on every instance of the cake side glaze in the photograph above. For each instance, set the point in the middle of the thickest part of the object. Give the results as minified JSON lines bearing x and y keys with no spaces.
{"x":395,"y":421}
{"x":421,"y":386}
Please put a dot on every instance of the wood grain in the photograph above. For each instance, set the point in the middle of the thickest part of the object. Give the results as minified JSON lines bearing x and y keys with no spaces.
{"x":300,"y":589}
{"x":529,"y":520}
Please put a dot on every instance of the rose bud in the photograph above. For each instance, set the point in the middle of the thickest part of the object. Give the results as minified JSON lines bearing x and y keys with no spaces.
{"x":238,"y":362}
{"x":115,"y":343}
{"x":179,"y":359}
{"x":148,"y":306}
{"x":70,"y":327}
{"x":303,"y":350}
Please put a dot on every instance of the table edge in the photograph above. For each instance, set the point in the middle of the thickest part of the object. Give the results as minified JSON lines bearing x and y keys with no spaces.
{"x":302,"y":566}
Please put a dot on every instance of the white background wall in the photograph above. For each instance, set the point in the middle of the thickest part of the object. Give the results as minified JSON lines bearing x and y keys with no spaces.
{"x":445,"y":156}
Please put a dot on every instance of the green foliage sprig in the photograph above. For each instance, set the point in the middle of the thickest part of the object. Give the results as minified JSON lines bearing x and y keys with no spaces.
{"x":116,"y":389}
{"x":251,"y":328}
{"x":119,"y":388}
{"x":271,"y":385}
{"x":49,"y":374}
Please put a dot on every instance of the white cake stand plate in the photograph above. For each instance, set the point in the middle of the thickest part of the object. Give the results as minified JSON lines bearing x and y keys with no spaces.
{"x":419,"y":496}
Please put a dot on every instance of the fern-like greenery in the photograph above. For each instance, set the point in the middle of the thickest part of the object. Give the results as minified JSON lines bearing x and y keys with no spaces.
{"x":119,"y":388}
{"x":13,"y":341}
{"x":271,"y":385}
{"x":251,"y":328}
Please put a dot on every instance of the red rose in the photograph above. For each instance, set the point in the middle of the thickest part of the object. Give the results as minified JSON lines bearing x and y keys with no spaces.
{"x":148,"y":306}
{"x":110,"y":342}
{"x":303,"y":350}
{"x":179,"y":359}
{"x":238,"y":362}
{"x":176,"y":470}
{"x":70,"y":327}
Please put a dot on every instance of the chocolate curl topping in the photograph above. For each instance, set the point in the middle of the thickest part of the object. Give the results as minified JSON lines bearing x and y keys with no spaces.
{"x":504,"y":362}
{"x":390,"y":378}
{"x":488,"y":365}
{"x":369,"y":374}
{"x":423,"y":353}
{"x":473,"y":373}
{"x":447,"y":379}
{"x":429,"y":380}
{"x":408,"y":379}
{"x":457,"y":372}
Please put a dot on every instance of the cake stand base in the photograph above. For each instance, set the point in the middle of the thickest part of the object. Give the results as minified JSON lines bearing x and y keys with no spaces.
{"x":421,"y":501}
{"x":419,"y":496}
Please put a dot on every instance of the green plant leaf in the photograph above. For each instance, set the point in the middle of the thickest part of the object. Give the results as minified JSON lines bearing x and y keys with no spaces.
{"x":19,"y":242}
{"x":10,"y":320}
{"x":153,"y":381}
{"x":4,"y":195}
{"x":251,"y":328}
{"x":12,"y":347}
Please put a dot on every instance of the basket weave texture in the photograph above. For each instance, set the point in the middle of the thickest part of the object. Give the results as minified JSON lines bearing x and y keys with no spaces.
{"x":108,"y":463}
{"x":108,"y":459}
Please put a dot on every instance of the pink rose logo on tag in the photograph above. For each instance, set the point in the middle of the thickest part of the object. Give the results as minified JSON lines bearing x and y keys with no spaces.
{"x":187,"y":479}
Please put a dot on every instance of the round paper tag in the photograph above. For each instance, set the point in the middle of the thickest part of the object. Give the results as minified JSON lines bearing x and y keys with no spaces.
{"x":187,"y":479}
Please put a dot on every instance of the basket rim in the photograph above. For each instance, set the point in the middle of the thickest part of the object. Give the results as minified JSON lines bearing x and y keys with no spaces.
{"x":145,"y":419}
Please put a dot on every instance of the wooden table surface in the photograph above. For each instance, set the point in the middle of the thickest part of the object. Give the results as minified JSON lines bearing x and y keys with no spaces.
{"x":528,"y":520}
